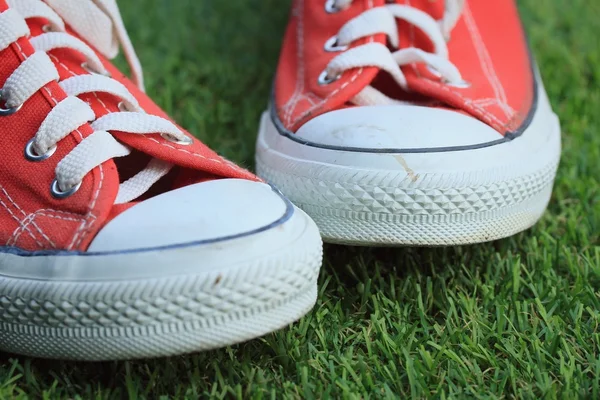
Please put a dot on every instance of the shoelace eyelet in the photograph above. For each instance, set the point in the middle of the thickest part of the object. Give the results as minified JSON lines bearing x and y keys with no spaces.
{"x":332,"y":46}
{"x":91,"y":71}
{"x":57,"y":193}
{"x":7,"y":111}
{"x":330,"y":7}
{"x":31,"y":155}
{"x":186,"y":142}
{"x":325,"y":79}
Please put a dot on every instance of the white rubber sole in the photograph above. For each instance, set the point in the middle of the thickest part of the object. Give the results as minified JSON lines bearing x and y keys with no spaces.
{"x":424,"y":199}
{"x":162,"y":302}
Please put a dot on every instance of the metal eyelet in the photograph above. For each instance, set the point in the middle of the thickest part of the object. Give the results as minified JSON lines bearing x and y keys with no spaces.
{"x":31,"y":155}
{"x":57,"y":193}
{"x":325,"y":79}
{"x":7,"y":111}
{"x":332,"y":45}
{"x":330,"y":7}
{"x":185,"y":142}
{"x":91,"y":71}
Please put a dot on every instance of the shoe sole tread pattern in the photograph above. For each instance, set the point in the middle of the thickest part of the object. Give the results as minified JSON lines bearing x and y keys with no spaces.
{"x":368,"y":214}
{"x":160,"y":317}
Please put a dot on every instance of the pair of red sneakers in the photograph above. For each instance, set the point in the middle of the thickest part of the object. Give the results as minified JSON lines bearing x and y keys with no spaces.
{"x":422,"y":122}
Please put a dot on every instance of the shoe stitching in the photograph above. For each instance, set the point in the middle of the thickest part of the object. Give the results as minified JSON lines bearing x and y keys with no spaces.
{"x":290,"y":106}
{"x":37,"y":228}
{"x":48,"y":92}
{"x":89,"y":215}
{"x":19,"y":222}
{"x":83,"y":229}
{"x":332,"y":94}
{"x":494,"y":102}
{"x":30,"y":219}
{"x":485,"y":59}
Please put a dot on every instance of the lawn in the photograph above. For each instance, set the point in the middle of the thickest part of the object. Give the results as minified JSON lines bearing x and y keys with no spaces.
{"x":518,"y":317}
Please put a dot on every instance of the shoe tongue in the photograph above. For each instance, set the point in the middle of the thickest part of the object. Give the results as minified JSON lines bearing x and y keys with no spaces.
{"x":88,"y":20}
{"x":410,"y":36}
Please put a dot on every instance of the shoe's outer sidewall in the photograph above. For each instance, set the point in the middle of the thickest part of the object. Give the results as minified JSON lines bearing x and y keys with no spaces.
{"x":205,"y":297}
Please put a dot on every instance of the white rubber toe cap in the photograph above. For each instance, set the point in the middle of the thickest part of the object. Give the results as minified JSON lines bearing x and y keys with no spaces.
{"x":403,"y":127}
{"x":214,"y":210}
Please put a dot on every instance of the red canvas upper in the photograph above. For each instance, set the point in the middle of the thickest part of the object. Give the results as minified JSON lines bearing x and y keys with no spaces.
{"x":487,"y":45}
{"x":30,"y":218}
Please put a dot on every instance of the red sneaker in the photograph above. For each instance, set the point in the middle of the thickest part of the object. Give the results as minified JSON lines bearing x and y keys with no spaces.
{"x":423,"y":122}
{"x":154,"y":253}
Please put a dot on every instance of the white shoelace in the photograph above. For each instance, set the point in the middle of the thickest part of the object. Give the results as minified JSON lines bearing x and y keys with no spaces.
{"x":103,"y":21}
{"x":383,"y":20}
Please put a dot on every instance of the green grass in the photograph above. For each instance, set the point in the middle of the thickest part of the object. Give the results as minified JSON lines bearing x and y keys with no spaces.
{"x":518,"y":317}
